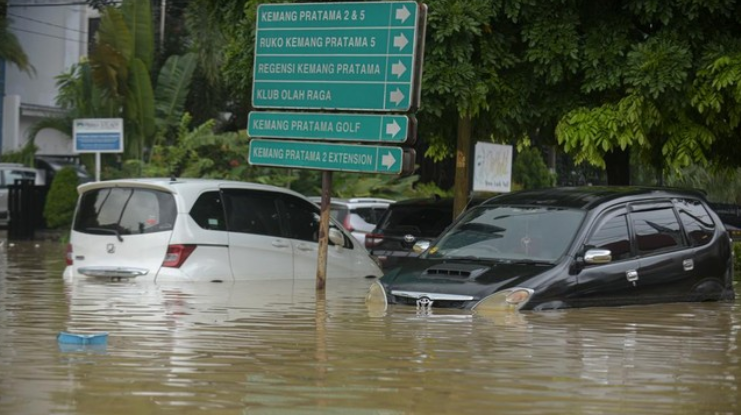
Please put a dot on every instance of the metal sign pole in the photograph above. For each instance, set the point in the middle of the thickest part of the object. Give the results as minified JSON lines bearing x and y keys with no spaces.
{"x":321,"y":268}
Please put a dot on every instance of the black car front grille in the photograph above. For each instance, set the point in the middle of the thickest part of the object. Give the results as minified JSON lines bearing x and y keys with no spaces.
{"x":455,"y":270}
{"x":435,"y":304}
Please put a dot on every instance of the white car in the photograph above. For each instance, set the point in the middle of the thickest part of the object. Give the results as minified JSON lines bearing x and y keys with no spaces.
{"x":358,"y":215}
{"x":204,"y":230}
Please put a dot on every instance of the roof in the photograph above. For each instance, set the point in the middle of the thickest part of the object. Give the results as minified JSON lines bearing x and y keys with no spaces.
{"x":181,"y":185}
{"x":587,"y":197}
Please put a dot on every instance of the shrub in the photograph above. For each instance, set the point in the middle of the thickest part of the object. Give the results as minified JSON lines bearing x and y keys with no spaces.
{"x":61,"y":199}
{"x":530,"y":171}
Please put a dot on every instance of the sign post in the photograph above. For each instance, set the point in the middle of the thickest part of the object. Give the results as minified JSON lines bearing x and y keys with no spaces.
{"x":316,"y":62}
{"x":98,"y":135}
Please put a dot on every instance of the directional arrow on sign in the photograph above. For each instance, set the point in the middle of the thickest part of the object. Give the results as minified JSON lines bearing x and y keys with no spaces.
{"x":402,"y":14}
{"x":388,"y":160}
{"x":398,"y":69}
{"x":397,"y":96}
{"x":393,"y":128}
{"x":400,"y":41}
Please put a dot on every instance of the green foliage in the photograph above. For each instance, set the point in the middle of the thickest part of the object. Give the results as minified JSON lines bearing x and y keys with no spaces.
{"x":24,"y":156}
{"x":10,"y":49}
{"x":116,"y":82}
{"x":530,"y":171}
{"x":61,"y":199}
{"x":721,"y":185}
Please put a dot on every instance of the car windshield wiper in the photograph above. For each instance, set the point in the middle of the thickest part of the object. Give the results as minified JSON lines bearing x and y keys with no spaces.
{"x":113,"y":231}
{"x":528,"y":262}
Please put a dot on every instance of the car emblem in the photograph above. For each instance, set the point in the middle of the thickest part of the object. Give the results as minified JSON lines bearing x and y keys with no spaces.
{"x":409,"y":238}
{"x":424,"y":303}
{"x":110,"y":248}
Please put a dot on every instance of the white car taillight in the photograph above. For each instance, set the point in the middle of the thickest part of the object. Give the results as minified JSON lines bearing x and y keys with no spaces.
{"x":177,"y":254}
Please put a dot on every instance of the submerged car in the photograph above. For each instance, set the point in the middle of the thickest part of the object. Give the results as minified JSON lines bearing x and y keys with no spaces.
{"x":359,"y":215}
{"x":204,"y":230}
{"x":570,"y":247}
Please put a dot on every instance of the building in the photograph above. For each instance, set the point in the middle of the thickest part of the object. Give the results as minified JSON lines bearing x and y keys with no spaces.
{"x":54,"y":34}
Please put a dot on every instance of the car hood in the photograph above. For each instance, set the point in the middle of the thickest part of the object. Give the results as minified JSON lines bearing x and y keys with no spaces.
{"x":464,"y":277}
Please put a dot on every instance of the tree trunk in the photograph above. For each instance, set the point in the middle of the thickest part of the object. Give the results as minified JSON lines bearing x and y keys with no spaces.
{"x":617,"y":164}
{"x":462,"y":165}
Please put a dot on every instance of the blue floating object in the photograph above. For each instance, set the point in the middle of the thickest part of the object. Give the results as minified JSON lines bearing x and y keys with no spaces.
{"x":91,"y":339}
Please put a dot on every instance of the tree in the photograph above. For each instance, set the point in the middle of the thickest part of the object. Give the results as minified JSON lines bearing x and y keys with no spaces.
{"x":10,"y":49}
{"x":598,"y":79}
{"x":117,"y":81}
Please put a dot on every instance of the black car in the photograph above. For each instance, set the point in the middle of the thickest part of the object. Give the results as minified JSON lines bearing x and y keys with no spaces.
{"x":570,"y":247}
{"x":407,"y":223}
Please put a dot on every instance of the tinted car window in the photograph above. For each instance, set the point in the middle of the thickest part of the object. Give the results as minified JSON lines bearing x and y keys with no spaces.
{"x":612,"y":234}
{"x":424,"y":221}
{"x":208,"y":212}
{"x":697,"y":222}
{"x":510,"y":233}
{"x":252,"y":212}
{"x":302,"y":218}
{"x":370,"y":214}
{"x":656,"y":230}
{"x":125,"y":211}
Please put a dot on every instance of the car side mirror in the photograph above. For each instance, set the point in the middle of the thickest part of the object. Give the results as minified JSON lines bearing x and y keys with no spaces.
{"x":420,"y":246}
{"x":597,"y":256}
{"x":336,"y":237}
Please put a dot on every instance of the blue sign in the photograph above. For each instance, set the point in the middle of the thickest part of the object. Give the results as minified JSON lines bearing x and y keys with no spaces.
{"x":98,"y":135}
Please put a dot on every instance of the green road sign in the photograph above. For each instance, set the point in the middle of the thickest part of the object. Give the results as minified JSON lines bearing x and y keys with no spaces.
{"x":338,"y":127}
{"x":330,"y":156}
{"x":342,"y":56}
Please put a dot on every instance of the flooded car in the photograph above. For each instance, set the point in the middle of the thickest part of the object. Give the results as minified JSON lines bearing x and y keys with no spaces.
{"x":570,"y":247}
{"x":204,"y":230}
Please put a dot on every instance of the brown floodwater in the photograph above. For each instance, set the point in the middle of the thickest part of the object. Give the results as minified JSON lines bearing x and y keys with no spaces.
{"x":279,"y":348}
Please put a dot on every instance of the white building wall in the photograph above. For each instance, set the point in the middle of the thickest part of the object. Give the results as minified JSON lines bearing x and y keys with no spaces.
{"x":53,"y":34}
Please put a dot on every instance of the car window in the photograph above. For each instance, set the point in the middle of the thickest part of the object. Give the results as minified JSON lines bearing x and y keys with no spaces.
{"x":250,"y":211}
{"x":125,"y":211}
{"x":12,"y":175}
{"x":302,"y":219}
{"x":208,"y":212}
{"x":656,"y":230}
{"x":612,"y":233}
{"x":369,"y":214}
{"x":417,"y":220}
{"x":697,"y":221}
{"x":510,"y":233}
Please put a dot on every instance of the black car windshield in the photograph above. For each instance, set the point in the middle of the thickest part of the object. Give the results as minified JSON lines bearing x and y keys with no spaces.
{"x":510,"y":233}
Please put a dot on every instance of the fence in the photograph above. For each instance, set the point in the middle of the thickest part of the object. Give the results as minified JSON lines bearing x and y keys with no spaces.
{"x":26,"y":209}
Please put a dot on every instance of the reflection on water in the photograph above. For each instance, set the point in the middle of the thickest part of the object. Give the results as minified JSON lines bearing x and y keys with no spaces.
{"x":280,"y":348}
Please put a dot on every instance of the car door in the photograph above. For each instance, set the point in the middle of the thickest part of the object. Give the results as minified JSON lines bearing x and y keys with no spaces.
{"x":610,"y":283}
{"x":302,"y":220}
{"x":257,"y":248}
{"x":666,"y":270}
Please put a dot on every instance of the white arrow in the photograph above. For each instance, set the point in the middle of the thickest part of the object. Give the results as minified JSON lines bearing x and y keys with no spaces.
{"x":388,"y":160}
{"x":403,"y":14}
{"x":393,"y":129}
{"x":396,"y":96}
{"x":400,"y":41}
{"x":398,"y":69}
